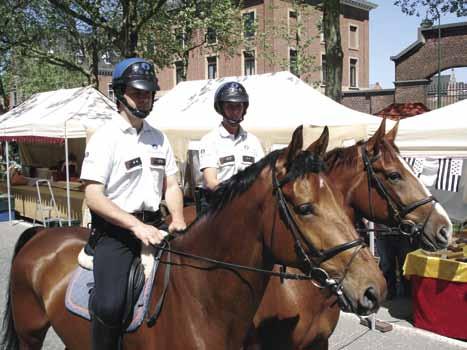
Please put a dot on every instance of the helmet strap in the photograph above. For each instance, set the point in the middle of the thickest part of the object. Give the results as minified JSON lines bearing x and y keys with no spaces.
{"x":232,"y":122}
{"x":136,"y":112}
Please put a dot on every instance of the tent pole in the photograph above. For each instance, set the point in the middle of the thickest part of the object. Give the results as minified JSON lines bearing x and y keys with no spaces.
{"x":8,"y":185}
{"x":68,"y":201}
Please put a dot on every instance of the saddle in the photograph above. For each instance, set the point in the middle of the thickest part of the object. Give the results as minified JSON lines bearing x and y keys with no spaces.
{"x":140,"y":283}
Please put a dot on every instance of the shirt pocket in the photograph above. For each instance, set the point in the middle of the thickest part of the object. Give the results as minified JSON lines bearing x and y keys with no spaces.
{"x":157,"y":165}
{"x":133,"y":166}
{"x":246,"y":161}
{"x":226,"y":161}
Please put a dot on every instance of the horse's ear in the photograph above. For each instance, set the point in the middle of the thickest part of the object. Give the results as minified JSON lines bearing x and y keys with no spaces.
{"x":375,"y":140}
{"x":320,"y":145}
{"x":391,"y":135}
{"x":295,"y":146}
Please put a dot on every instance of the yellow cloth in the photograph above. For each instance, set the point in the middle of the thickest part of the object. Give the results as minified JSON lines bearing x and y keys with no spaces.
{"x":420,"y":264}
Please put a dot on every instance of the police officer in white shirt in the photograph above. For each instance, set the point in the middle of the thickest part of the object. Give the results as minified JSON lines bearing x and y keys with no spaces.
{"x":227,"y":149}
{"x":127,"y":166}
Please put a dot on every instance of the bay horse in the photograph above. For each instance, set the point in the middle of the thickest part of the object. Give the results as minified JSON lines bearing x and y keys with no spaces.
{"x":281,"y":210}
{"x":378,"y":185}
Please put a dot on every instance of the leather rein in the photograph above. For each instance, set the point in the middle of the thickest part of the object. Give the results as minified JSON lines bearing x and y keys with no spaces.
{"x":311,"y":257}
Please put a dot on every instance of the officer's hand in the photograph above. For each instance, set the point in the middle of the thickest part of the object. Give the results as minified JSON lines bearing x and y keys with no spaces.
{"x":177,"y":225}
{"x":148,"y":234}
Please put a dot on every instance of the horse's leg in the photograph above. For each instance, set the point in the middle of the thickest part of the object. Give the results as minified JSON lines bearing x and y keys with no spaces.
{"x":30,"y":320}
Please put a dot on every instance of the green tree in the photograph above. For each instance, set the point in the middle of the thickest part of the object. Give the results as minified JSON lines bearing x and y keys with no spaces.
{"x":294,"y":32}
{"x":75,"y":34}
{"x":413,"y":7}
{"x":334,"y":54}
{"x":211,"y":26}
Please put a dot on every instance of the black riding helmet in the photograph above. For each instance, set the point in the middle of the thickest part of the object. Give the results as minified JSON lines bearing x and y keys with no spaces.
{"x":230,"y":92}
{"x":137,"y":73}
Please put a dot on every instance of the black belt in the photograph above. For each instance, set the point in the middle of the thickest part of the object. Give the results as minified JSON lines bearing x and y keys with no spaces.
{"x":148,"y":216}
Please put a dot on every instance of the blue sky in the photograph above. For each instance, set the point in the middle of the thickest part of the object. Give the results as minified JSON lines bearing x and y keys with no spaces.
{"x":391,"y":31}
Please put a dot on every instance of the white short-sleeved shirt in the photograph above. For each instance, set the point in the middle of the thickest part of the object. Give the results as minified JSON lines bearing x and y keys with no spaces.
{"x":131,"y":166}
{"x":228,"y":154}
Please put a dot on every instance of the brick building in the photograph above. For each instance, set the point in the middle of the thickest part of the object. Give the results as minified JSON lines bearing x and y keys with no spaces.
{"x":204,"y":63}
{"x":416,"y":69}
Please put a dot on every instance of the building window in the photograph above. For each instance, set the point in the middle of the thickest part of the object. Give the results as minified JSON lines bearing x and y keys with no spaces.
{"x":14,"y":97}
{"x":321,"y":29}
{"x":293,"y":21}
{"x":212,"y":67}
{"x":180,"y":37}
{"x":353,"y":37}
{"x":110,"y":92}
{"x":211,"y":36}
{"x":179,"y":72}
{"x":248,"y":24}
{"x":323,"y":69}
{"x":353,"y":72}
{"x":249,"y":63}
{"x":293,"y":62}
{"x":106,"y":58}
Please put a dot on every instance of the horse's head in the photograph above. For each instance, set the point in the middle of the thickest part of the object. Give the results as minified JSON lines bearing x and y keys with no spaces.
{"x":306,"y":226}
{"x":386,"y":190}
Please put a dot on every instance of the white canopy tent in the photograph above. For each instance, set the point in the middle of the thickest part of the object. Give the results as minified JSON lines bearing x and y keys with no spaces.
{"x":55,"y":117}
{"x":441,"y":132}
{"x":279,"y":102}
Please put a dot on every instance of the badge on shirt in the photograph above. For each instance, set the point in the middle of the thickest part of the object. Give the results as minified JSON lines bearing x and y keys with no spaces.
{"x":157,"y":161}
{"x":248,"y":159}
{"x":132,"y":163}
{"x":226,"y":159}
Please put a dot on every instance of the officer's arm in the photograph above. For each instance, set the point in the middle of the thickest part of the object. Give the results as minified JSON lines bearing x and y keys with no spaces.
{"x":210,"y":178}
{"x":174,"y":199}
{"x":104,"y":207}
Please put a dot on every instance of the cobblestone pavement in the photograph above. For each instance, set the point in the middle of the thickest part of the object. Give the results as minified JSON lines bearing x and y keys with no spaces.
{"x":349,"y":335}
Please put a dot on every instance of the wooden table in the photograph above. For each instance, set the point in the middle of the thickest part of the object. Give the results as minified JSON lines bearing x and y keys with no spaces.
{"x":26,"y":198}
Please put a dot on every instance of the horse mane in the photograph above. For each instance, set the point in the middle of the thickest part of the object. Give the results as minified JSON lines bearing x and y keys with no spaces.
{"x":240,"y":182}
{"x":347,"y":156}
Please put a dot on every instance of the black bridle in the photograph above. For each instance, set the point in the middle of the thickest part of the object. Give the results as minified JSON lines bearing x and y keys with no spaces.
{"x":398,"y":210}
{"x":312,"y":258}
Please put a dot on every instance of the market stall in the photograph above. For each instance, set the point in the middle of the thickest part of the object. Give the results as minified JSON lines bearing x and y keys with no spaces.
{"x":279,"y":102}
{"x":439,"y":290}
{"x":59,"y":121}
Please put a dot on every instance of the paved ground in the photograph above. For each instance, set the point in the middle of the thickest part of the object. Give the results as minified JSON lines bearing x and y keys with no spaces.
{"x":349,"y":335}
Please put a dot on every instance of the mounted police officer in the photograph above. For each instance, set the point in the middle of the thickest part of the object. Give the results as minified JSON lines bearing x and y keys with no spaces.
{"x":227,"y":149}
{"x":127,"y":165}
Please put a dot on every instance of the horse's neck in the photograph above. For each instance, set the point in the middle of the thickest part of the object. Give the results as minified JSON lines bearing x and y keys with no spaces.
{"x":232,"y":235}
{"x":347,"y":179}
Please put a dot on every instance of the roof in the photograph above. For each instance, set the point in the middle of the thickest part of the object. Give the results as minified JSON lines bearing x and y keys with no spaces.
{"x":397,"y":111}
{"x":421,"y":38}
{"x":361,"y":4}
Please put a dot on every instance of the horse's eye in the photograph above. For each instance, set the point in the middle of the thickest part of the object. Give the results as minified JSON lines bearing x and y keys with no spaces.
{"x":394,"y":176}
{"x":304,"y":209}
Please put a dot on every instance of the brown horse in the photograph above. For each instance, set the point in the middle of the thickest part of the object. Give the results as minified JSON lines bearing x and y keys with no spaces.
{"x":300,"y":316}
{"x":281,"y":209}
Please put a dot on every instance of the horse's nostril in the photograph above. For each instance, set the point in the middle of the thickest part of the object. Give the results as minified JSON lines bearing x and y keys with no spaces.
{"x":370,"y":299}
{"x":443,"y":235}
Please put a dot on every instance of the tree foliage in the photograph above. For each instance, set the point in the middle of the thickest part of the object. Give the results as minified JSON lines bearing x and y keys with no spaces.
{"x":432,"y":7}
{"x":295,"y":36}
{"x":76,"y":34}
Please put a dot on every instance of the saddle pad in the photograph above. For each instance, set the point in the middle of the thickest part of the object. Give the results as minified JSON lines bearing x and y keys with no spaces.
{"x":79,"y":289}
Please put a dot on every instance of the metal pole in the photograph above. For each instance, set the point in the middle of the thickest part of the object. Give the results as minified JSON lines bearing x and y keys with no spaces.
{"x":8,"y":181}
{"x":439,"y":59}
{"x":371,"y":226}
{"x":68,"y":201}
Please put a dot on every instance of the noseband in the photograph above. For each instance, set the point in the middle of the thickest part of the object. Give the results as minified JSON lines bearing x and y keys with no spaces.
{"x":398,"y":210}
{"x":311,"y":257}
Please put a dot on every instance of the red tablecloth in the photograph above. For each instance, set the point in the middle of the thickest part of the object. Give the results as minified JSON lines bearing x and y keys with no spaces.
{"x":440,"y":306}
